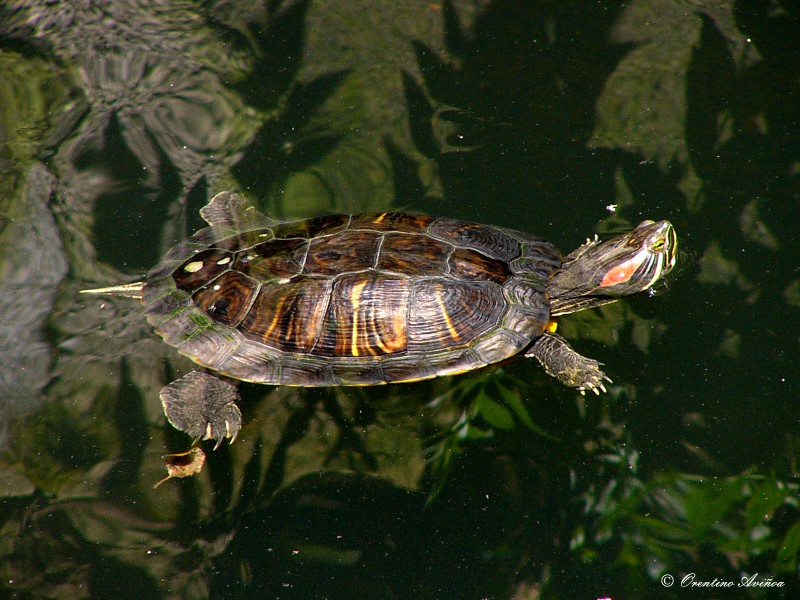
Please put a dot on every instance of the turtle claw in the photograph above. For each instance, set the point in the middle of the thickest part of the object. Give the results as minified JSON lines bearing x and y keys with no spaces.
{"x":230,"y":432}
{"x":598,"y":385}
{"x":594,"y":381}
{"x":233,"y":437}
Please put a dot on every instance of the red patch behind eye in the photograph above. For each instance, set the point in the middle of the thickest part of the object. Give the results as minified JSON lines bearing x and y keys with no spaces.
{"x":620,"y":274}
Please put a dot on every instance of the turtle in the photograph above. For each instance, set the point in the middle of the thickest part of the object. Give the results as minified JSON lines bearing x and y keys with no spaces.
{"x":341,"y":300}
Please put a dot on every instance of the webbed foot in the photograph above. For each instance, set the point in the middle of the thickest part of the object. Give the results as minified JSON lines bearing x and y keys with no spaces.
{"x":204,"y":406}
{"x":565,"y":364}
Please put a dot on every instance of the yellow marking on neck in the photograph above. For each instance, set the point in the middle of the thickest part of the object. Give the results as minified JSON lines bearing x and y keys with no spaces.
{"x":355,"y":303}
{"x":551,"y":327}
{"x":447,"y":320}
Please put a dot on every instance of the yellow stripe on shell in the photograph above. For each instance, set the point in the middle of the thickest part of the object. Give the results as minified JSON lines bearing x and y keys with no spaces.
{"x":447,"y":321}
{"x":376,"y":335}
{"x":355,"y":303}
{"x":415,"y":379}
{"x":268,"y":333}
{"x":395,"y":339}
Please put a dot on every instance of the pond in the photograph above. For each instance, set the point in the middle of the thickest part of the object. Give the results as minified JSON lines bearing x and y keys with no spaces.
{"x":120,"y":120}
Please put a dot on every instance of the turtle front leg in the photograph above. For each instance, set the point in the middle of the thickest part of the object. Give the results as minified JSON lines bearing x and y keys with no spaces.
{"x":570,"y":368}
{"x":204,"y":406}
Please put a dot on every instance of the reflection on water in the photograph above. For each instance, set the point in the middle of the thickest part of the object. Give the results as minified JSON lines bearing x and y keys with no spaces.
{"x":119,"y":120}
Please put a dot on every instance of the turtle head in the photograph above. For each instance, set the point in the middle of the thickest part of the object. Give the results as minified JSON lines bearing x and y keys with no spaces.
{"x":601,"y":272}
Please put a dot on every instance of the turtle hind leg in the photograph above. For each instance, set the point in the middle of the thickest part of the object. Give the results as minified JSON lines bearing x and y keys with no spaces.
{"x":565,"y":364}
{"x":203,"y":406}
{"x":234,"y":212}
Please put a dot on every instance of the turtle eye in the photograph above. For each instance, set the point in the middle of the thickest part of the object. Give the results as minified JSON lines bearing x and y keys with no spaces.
{"x":658,"y":245}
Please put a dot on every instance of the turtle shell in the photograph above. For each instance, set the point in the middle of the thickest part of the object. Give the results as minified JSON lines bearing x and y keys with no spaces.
{"x":349,"y":300}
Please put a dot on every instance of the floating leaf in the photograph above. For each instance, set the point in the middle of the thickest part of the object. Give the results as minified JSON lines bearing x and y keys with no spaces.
{"x":184,"y":464}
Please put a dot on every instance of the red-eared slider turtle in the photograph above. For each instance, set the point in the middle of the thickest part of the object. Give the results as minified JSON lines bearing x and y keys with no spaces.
{"x":373,"y":299}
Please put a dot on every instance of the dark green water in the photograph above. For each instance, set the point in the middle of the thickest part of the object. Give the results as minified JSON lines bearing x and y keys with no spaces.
{"x":118,"y":121}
